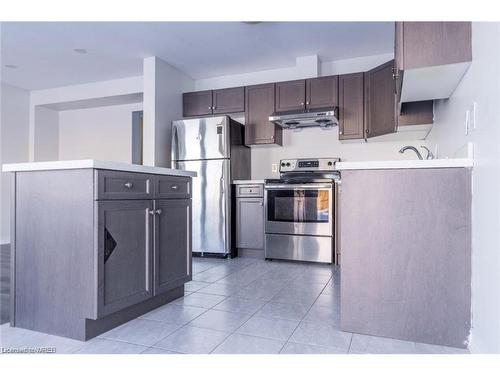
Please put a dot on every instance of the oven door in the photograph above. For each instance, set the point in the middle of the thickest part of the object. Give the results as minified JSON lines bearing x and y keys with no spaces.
{"x":299,"y":209}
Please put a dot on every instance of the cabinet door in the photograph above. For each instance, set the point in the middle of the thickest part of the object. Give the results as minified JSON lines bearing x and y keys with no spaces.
{"x":322,"y":92}
{"x":290,"y":96}
{"x":124,"y":235}
{"x":197,"y":103}
{"x":229,"y":100}
{"x":172,"y":250}
{"x":380,"y":100}
{"x":250,"y":223}
{"x":259,"y":106}
{"x":351,"y":106}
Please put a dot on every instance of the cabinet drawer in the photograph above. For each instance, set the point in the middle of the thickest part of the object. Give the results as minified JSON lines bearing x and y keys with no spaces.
{"x":122,"y":185}
{"x":249,"y":191}
{"x":173,"y":187}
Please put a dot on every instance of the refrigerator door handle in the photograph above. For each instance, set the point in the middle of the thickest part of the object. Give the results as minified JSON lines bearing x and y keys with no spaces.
{"x":175,"y":146}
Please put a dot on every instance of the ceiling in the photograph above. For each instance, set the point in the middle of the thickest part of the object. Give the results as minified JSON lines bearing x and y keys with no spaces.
{"x":44,"y":51}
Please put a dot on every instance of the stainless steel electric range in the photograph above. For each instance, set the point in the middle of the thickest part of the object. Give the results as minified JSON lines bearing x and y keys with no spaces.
{"x":300,"y":211}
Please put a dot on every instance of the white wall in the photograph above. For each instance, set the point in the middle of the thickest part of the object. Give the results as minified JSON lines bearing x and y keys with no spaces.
{"x":46,"y":134}
{"x":14,"y":132}
{"x":311,"y":142}
{"x":103,"y":133}
{"x":41,"y":100}
{"x":481,"y":84}
{"x":163,"y":88}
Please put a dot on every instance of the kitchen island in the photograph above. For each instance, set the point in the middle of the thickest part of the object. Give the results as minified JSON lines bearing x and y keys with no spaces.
{"x":405,"y":243}
{"x":96,"y":243}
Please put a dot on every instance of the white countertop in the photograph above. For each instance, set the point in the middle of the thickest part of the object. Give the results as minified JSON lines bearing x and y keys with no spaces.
{"x":249,"y":182}
{"x":406,"y":164}
{"x":97,"y":164}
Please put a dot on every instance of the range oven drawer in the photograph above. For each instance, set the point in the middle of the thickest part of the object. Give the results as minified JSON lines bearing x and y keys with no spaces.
{"x":303,"y":248}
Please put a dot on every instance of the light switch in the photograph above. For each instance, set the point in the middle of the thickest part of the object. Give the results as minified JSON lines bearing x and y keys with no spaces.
{"x":274,"y":167}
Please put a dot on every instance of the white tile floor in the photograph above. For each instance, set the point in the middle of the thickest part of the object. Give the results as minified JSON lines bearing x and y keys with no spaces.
{"x":238,"y":306}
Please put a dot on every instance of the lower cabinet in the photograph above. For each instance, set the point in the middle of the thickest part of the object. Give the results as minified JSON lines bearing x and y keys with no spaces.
{"x":250,"y":223}
{"x":124,"y":252}
{"x":143,"y":250}
{"x":172,"y":244}
{"x":250,"y":217}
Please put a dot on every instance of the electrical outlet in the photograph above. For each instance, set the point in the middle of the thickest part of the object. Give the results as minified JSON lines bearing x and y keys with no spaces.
{"x":274,"y":167}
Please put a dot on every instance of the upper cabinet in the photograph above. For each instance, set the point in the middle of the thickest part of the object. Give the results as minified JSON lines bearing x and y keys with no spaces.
{"x":291,"y":96}
{"x":212,"y":102}
{"x":228,"y":100}
{"x":306,"y":94}
{"x":380,"y":100}
{"x":351,"y":106}
{"x":431,"y":58}
{"x":322,"y":92}
{"x":259,"y":104}
{"x":197,"y":103}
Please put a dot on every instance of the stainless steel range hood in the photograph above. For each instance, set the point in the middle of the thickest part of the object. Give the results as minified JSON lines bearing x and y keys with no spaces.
{"x":325,"y":118}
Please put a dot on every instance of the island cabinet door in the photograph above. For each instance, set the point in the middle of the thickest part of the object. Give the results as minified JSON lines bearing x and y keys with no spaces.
{"x":172,"y":247}
{"x":124,"y":237}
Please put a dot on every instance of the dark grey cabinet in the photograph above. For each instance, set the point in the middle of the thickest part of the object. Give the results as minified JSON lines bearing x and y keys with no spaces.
{"x":306,"y":94}
{"x":230,"y":100}
{"x":290,"y":96}
{"x":351,"y":106}
{"x":380,"y":100}
{"x":124,"y":254}
{"x":198,"y":103}
{"x":90,"y":253}
{"x":259,"y":105}
{"x":208,"y":102}
{"x":250,"y":223}
{"x":250,"y":216}
{"x":172,"y":244}
{"x":431,"y":58}
{"x":322,"y":92}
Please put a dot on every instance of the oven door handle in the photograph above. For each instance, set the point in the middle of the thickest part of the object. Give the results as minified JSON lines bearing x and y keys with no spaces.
{"x":298,"y":187}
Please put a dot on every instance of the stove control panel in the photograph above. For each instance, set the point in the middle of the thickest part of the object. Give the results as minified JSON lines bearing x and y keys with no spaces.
{"x":308,"y":165}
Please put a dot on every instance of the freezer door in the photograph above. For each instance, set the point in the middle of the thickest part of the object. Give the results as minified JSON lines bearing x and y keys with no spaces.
{"x":211,"y":205}
{"x":203,"y":138}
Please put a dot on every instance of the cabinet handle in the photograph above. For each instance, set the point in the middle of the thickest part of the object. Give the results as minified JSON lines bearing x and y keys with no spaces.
{"x":158,"y":211}
{"x":174,"y":187}
{"x":302,"y":104}
{"x":128,"y":185}
{"x":261,"y":204}
{"x":214,"y":107}
{"x":151,"y":212}
{"x":307,"y":103}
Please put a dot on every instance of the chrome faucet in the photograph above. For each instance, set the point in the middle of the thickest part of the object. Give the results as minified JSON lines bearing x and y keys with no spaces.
{"x":429,"y":156}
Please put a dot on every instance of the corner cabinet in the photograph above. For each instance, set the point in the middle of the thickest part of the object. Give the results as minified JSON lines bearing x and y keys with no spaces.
{"x":108,"y":246}
{"x":351,"y":106}
{"x":259,"y":105}
{"x":380,"y":100}
{"x":431,"y":58}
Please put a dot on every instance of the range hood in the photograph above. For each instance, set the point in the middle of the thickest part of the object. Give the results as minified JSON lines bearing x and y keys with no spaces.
{"x":325,"y":118}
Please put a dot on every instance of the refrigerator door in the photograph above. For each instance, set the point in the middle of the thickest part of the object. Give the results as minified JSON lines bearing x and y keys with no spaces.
{"x":211,"y":205}
{"x":199,"y":139}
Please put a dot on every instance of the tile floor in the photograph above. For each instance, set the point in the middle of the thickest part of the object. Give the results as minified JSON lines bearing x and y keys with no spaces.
{"x":238,"y":306}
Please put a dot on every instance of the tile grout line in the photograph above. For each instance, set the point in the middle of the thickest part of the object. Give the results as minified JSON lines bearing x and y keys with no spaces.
{"x":208,"y":309}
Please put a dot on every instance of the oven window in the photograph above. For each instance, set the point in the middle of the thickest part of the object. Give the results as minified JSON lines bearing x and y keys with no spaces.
{"x":304,"y":206}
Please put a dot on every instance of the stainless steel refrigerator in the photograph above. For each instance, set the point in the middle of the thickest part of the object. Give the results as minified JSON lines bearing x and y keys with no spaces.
{"x":213,"y":147}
